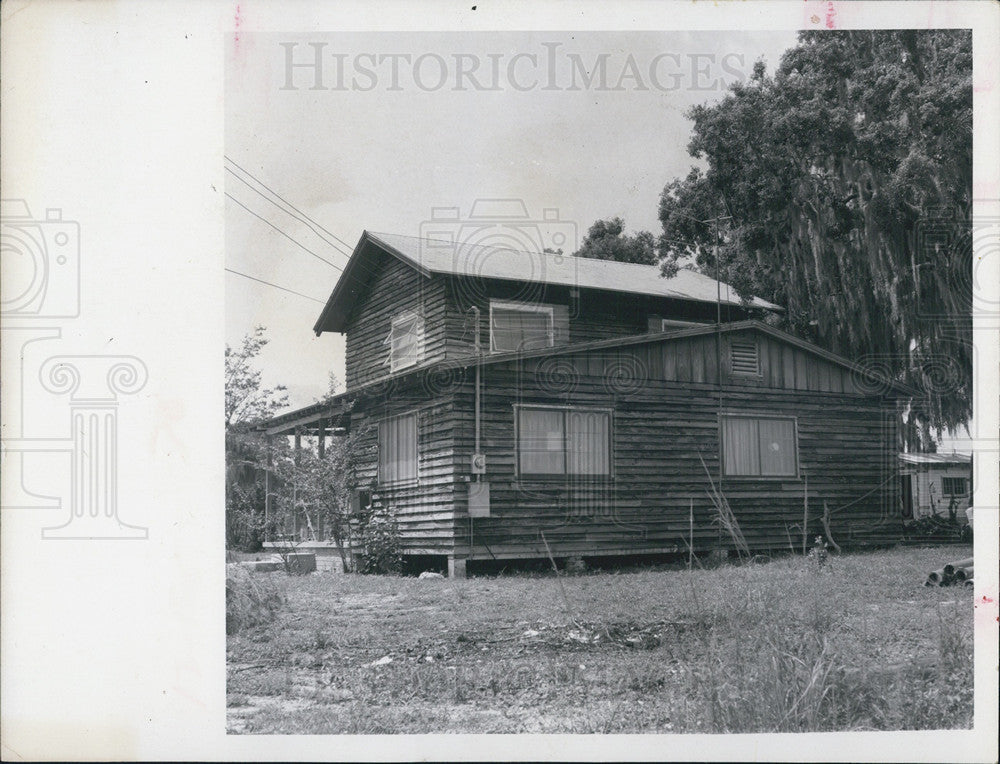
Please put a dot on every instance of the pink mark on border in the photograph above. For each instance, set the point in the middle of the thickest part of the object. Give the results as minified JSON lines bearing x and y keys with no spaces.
{"x":237,"y":20}
{"x":831,"y":16}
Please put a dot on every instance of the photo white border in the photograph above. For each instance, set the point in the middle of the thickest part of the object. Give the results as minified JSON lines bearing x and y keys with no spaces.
{"x":114,"y":112}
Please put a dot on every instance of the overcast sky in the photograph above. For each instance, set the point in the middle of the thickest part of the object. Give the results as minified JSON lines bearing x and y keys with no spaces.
{"x":387,"y":127}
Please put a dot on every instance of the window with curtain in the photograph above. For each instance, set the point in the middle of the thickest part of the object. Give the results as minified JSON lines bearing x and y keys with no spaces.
{"x":563,"y":442}
{"x":405,"y":341}
{"x":759,"y":447}
{"x":397,"y":449}
{"x":520,"y":327}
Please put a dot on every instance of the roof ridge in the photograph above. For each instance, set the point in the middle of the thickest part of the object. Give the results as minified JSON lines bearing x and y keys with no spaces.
{"x":535,"y":252}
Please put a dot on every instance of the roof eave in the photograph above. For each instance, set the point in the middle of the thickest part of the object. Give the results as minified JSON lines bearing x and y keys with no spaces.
{"x":338,"y":307}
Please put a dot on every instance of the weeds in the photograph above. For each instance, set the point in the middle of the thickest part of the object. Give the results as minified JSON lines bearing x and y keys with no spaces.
{"x":780,"y":646}
{"x":251,"y":600}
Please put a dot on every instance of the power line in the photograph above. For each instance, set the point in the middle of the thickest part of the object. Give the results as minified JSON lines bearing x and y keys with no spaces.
{"x":268,"y":283}
{"x":304,"y":218}
{"x":309,"y":223}
{"x":302,"y":246}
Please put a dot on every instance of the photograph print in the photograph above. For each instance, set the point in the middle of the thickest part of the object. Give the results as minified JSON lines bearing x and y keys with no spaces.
{"x":600,"y":382}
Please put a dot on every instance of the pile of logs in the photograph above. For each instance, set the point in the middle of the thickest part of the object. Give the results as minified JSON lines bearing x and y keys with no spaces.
{"x":953,"y":574}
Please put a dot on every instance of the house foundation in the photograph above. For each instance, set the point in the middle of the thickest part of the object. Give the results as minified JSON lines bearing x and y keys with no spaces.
{"x":456,"y":567}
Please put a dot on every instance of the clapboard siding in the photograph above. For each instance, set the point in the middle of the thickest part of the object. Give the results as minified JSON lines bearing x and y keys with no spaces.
{"x":666,"y":396}
{"x":846,"y":448}
{"x":425,"y":510}
{"x":445,"y":302}
{"x":581,"y":315}
{"x":395,"y":288}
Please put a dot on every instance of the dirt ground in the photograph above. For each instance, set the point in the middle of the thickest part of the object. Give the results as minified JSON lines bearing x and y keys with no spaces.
{"x":782,"y":645}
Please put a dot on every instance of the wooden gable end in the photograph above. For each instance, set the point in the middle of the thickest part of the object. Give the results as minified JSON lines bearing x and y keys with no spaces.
{"x":393,"y":288}
{"x":747,"y":359}
{"x":752,"y":359}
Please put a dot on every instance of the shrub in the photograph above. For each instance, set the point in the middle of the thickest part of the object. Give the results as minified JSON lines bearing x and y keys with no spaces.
{"x":379,"y":540}
{"x":251,"y":600}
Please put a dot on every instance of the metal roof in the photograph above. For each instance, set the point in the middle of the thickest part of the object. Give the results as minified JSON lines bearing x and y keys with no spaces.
{"x":430,"y":256}
{"x":936,"y":458}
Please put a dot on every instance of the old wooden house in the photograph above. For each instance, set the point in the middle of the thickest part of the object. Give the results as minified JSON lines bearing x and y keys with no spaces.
{"x":510,"y":401}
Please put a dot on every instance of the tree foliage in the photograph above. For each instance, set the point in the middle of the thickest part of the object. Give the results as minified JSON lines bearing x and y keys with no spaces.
{"x":317,"y":490}
{"x":607,"y":240}
{"x":247,"y":404}
{"x":847,"y":180}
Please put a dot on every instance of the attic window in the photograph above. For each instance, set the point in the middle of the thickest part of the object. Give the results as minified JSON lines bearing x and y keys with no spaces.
{"x":406,"y":340}
{"x":744,"y":357}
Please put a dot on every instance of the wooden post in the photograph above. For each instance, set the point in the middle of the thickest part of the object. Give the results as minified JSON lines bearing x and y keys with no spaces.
{"x":690,"y":533}
{"x":267,"y":488}
{"x":298,"y":443}
{"x":321,"y":438}
{"x":805,"y":513}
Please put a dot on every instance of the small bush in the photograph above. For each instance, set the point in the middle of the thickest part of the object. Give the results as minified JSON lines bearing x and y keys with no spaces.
{"x":251,"y":600}
{"x":576,"y":566}
{"x":380,"y":544}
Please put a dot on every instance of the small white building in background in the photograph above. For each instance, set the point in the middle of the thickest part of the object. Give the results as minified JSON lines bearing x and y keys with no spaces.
{"x":932,"y":484}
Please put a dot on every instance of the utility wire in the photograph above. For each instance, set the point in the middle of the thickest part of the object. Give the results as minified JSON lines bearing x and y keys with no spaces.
{"x":304,"y":218}
{"x":268,"y":283}
{"x":302,"y":246}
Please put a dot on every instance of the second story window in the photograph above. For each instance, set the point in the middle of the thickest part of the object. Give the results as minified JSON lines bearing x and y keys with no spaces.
{"x":520,"y":326}
{"x":406,"y":339}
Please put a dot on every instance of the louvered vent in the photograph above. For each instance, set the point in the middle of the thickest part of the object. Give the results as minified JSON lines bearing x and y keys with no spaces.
{"x":745,"y":358}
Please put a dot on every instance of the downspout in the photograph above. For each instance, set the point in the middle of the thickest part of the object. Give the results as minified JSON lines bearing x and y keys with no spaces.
{"x":478,"y":352}
{"x":477,"y":345}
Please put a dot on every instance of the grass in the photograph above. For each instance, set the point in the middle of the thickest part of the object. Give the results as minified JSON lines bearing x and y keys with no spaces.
{"x":251,"y":600}
{"x":788,"y":645}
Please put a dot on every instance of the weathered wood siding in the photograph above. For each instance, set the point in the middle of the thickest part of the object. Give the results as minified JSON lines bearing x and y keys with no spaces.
{"x":665,"y":403}
{"x":425,"y":509}
{"x":581,"y":317}
{"x":394,"y":288}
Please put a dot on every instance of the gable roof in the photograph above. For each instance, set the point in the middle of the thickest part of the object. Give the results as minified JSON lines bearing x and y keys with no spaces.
{"x":430,"y":256}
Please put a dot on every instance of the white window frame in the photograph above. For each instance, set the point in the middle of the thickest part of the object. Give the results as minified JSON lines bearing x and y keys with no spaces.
{"x":524,"y":308}
{"x":397,"y":321}
{"x":380,"y":477}
{"x":518,"y":407}
{"x":965,"y":486}
{"x":759,"y":416}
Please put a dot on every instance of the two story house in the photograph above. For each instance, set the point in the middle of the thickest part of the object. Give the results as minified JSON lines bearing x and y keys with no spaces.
{"x":511,"y":404}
